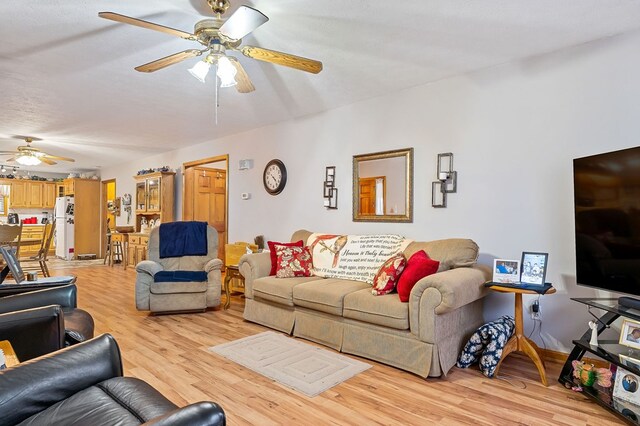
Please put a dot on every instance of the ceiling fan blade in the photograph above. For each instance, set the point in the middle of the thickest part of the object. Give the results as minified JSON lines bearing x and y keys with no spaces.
{"x":297,"y":62}
{"x":168,"y":60}
{"x":242,"y":22}
{"x":47,"y":161}
{"x":244,"y":83}
{"x":55,"y":157}
{"x":7,"y":152}
{"x":144,"y":24}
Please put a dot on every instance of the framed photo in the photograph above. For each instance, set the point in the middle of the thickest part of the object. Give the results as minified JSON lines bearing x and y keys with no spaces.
{"x":627,"y":409}
{"x":630,"y":333}
{"x":506,"y":271}
{"x":626,"y":386}
{"x":630,"y":362}
{"x":534,"y":268}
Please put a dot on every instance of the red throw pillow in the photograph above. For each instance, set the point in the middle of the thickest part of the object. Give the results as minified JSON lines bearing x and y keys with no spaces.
{"x":385,"y":280}
{"x":293,"y":262}
{"x":420,"y":265}
{"x":272,"y":249}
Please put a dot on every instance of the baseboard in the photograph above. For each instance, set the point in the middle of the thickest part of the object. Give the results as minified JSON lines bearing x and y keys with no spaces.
{"x":561,"y":357}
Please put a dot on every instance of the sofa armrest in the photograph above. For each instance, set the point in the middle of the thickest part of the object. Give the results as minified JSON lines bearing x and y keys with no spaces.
{"x":32,"y":386}
{"x":33,"y":332}
{"x":65,"y":296}
{"x":212,"y":265}
{"x":253,"y":266}
{"x":198,"y":414}
{"x":149,"y":267}
{"x":457,"y":287}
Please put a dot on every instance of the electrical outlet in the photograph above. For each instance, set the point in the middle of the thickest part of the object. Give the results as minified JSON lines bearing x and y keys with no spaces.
{"x":536,"y":313}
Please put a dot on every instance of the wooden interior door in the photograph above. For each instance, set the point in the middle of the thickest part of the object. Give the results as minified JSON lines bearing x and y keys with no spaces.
{"x":206,"y":200}
{"x":367,"y":196}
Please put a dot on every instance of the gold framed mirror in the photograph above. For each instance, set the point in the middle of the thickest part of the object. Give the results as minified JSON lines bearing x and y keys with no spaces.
{"x":383,"y":186}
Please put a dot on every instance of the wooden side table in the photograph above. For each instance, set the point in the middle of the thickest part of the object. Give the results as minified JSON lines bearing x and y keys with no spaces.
{"x":519,"y":342}
{"x":231,"y":272}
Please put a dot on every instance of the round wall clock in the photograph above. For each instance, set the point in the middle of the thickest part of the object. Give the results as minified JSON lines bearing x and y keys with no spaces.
{"x":274,"y":177}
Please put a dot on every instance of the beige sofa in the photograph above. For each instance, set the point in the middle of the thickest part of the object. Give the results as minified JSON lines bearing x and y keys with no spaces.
{"x":423,"y":336}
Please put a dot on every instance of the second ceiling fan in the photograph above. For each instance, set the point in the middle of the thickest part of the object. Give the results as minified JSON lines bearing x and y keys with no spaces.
{"x":217,"y":36}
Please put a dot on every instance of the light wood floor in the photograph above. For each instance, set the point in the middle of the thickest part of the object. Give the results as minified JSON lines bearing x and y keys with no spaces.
{"x":170,"y":352}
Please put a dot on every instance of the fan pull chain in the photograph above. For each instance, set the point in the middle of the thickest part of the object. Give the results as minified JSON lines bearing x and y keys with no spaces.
{"x":217,"y":99}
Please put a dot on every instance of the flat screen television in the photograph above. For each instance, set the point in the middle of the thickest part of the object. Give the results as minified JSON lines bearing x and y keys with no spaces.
{"x":607,"y":220}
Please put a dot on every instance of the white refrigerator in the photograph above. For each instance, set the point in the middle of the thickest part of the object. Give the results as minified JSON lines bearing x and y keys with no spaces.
{"x":64,"y":228}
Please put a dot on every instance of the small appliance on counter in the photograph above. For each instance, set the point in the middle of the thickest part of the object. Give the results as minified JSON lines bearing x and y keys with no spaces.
{"x":13,"y":219}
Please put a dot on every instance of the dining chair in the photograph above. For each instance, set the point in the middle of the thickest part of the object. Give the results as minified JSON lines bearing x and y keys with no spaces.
{"x":39,"y":260}
{"x":11,"y":235}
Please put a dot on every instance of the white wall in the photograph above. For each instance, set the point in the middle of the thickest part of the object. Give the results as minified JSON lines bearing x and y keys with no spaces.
{"x":513,"y":129}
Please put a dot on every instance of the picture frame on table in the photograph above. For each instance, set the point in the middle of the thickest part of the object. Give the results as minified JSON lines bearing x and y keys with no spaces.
{"x":627,"y":386}
{"x":533,"y":268}
{"x":627,"y":361}
{"x":506,"y":271}
{"x":630,"y":333}
{"x":628,"y":410}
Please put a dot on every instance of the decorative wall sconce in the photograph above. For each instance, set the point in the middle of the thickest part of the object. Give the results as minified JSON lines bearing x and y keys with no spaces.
{"x":330,"y":192}
{"x":447,"y":182}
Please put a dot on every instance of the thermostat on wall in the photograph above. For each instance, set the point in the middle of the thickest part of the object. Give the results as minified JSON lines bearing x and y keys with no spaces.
{"x":245,"y":195}
{"x":245,"y":164}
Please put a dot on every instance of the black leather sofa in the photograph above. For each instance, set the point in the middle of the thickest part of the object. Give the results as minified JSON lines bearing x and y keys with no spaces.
{"x":78,"y":323}
{"x":83,"y":385}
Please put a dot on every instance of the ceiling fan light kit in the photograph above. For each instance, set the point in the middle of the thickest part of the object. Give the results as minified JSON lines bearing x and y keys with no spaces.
{"x":30,"y":156}
{"x":218,"y":36}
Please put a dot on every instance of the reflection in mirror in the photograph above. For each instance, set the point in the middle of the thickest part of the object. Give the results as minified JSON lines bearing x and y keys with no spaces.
{"x":383,"y":186}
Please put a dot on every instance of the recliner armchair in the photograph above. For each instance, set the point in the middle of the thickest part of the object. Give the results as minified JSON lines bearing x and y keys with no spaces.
{"x":171,"y":297}
{"x":83,"y":384}
{"x":33,"y":332}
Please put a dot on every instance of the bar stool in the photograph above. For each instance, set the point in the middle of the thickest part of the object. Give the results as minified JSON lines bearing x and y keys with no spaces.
{"x":117,"y":248}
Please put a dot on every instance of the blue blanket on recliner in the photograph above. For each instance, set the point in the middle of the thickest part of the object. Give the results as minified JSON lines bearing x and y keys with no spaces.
{"x":179,"y":276}
{"x":179,"y":239}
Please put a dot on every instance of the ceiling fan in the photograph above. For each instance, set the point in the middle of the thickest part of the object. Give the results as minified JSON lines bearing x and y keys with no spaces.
{"x":218,"y":35}
{"x":30,"y":156}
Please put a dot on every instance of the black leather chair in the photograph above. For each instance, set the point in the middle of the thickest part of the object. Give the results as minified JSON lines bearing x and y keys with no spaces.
{"x":83,"y":384}
{"x":33,"y":332}
{"x":78,"y":324}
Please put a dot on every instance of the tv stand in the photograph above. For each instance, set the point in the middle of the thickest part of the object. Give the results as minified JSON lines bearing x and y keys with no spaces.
{"x":609,"y":350}
{"x":629,"y":302}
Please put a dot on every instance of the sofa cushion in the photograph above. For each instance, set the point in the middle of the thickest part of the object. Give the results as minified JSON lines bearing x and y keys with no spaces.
{"x":386,"y":310}
{"x":326,"y":295}
{"x":385,"y":280}
{"x":170,"y":287}
{"x":451,"y":253}
{"x":273,"y":247}
{"x":278,"y":290}
{"x":293,"y":262}
{"x":419,"y":265}
{"x":121,"y":400}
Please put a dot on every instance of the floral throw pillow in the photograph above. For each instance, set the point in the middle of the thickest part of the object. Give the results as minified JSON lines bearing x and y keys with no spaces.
{"x":293,"y":262}
{"x":385,"y":280}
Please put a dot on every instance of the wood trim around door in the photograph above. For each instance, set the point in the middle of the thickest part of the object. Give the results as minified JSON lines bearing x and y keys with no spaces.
{"x":195,"y":163}
{"x":103,"y":214}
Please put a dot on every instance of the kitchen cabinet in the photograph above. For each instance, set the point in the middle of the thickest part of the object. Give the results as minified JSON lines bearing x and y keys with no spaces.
{"x":154,"y":197}
{"x":87,"y":232}
{"x":137,"y":248}
{"x":32,"y":194}
{"x":49,"y":192}
{"x":69,"y":186}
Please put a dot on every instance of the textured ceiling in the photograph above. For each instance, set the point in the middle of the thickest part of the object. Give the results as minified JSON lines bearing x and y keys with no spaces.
{"x":67,"y":76}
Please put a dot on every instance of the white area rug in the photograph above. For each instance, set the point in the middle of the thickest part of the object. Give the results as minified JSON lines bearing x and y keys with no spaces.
{"x":295,"y":364}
